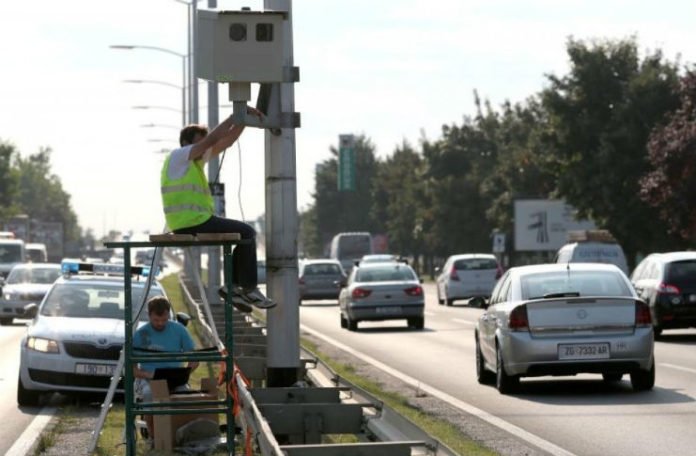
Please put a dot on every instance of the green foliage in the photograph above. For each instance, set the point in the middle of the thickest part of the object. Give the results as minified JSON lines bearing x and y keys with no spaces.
{"x":599,"y":119}
{"x":9,"y":182}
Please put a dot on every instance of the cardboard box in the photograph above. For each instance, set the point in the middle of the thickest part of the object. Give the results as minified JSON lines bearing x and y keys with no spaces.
{"x":165,"y":426}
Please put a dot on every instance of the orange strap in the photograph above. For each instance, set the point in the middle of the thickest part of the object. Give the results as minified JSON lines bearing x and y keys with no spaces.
{"x":234,"y":392}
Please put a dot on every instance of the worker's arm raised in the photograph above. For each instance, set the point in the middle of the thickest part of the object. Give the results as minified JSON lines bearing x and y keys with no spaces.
{"x":222,"y":136}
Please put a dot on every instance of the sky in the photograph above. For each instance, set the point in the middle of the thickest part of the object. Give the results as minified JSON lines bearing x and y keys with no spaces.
{"x":392,"y":70}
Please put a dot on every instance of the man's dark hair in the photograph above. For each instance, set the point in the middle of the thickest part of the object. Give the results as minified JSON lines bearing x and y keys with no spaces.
{"x":189,"y":132}
{"x":158,"y":305}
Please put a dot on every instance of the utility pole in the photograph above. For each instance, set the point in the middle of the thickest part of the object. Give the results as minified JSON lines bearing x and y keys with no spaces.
{"x":217,"y":189}
{"x":281,"y":228}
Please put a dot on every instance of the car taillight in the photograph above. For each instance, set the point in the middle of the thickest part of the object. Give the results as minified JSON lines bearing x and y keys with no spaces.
{"x":360,"y":293}
{"x":453,"y":274}
{"x":414,"y":291}
{"x":498,"y":272}
{"x":666,"y":288}
{"x":518,"y":319}
{"x":643,"y":314}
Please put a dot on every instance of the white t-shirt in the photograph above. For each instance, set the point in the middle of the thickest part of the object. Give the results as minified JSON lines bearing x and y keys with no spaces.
{"x":179,"y":163}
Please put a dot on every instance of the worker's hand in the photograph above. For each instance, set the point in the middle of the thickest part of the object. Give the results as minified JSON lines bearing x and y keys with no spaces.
{"x":255,"y":112}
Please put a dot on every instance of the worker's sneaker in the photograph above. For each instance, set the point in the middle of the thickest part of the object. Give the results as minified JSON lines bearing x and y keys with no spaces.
{"x":237,"y":301}
{"x":257,"y":299}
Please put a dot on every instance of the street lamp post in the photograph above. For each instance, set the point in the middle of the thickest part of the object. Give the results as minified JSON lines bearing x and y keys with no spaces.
{"x":168,"y":84}
{"x":168,"y":51}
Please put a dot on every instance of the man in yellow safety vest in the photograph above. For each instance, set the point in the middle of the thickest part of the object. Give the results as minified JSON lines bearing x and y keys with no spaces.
{"x":189,"y":207}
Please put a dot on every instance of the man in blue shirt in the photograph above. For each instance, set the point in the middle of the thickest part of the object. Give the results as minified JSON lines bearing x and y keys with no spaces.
{"x":160,"y":334}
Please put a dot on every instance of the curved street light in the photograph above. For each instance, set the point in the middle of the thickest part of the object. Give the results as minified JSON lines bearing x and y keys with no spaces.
{"x":183,"y":57}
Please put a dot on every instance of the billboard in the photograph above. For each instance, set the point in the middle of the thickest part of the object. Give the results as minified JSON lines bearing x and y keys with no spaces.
{"x":542,"y":224}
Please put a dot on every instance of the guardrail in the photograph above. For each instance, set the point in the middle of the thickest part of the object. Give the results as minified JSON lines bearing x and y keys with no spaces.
{"x":326,"y":403}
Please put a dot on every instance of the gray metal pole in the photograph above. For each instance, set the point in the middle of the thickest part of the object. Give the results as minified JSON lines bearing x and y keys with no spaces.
{"x":192,"y":58}
{"x":190,"y":62}
{"x":281,"y":231}
{"x":213,"y":170}
{"x":183,"y":91}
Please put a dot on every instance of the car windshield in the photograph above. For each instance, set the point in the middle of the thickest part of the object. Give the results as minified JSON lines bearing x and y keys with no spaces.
{"x":33,"y":275}
{"x":475,"y":264}
{"x":387,"y":273}
{"x":321,"y":269}
{"x":91,"y":300}
{"x":681,"y":273}
{"x":10,"y":253}
{"x":573,"y":283}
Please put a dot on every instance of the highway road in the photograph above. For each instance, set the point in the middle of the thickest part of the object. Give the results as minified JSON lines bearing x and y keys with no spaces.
{"x":576,"y":415}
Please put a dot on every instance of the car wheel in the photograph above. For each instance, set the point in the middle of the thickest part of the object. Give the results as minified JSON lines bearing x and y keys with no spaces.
{"x":449,"y":301}
{"x":483,"y":376}
{"x":657,"y":331}
{"x":612,"y":378}
{"x":25,"y":397}
{"x":5,"y":321}
{"x":351,"y":324}
{"x":643,"y":380}
{"x":506,"y":384}
{"x":344,"y":323}
{"x":477,"y":302}
{"x":299,"y":302}
{"x":439,"y":299}
{"x":416,"y":322}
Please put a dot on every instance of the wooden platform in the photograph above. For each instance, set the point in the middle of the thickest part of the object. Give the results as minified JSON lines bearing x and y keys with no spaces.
{"x":204,"y":237}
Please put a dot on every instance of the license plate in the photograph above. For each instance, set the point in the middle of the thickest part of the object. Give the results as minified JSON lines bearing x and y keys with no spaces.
{"x":95,"y":369}
{"x":583,"y":351}
{"x":391,"y":310}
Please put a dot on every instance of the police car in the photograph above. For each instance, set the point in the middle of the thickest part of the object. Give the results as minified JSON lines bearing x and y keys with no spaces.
{"x":75,"y":338}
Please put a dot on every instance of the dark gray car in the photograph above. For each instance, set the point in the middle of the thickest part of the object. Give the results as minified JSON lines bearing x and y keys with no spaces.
{"x":320,"y":279}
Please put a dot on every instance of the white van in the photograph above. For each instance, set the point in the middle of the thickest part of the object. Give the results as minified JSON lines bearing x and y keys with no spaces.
{"x":36,"y":252}
{"x":592,"y":246}
{"x":11,"y":252}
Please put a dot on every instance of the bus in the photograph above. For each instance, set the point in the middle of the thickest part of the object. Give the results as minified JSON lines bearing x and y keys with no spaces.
{"x":350,"y":247}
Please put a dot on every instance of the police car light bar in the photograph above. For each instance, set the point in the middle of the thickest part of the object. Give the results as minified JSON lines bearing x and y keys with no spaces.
{"x":75,"y":267}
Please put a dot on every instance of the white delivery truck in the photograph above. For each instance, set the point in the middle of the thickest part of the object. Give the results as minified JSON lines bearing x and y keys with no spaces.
{"x":592,"y":246}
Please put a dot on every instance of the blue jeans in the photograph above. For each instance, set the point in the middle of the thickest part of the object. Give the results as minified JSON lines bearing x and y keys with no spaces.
{"x":243,"y":255}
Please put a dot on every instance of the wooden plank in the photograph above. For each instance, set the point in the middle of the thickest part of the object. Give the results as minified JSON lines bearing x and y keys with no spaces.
{"x":354,"y":449}
{"x":218,"y":236}
{"x":171,"y":237}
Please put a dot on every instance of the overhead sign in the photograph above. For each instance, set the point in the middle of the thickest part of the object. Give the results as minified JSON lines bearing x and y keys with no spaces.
{"x":346,"y":163}
{"x":542,"y":225}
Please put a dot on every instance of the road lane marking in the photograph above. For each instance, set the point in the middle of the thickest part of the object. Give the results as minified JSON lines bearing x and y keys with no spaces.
{"x":467,"y":322}
{"x":466,"y":407}
{"x":674,"y":366}
{"x":26,"y":440}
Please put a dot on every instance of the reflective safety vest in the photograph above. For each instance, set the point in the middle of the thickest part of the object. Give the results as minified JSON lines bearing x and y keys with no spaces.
{"x":186,"y":201}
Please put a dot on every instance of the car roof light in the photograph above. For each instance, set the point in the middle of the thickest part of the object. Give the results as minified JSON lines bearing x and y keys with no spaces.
{"x":70,"y":266}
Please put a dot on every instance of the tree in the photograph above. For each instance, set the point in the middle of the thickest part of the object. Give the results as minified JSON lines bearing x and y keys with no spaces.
{"x":9,"y":183}
{"x":599,"y":117}
{"x":670,"y":186}
{"x":399,"y":184}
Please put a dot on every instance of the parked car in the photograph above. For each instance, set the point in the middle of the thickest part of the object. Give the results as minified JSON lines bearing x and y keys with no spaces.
{"x":382,"y":291}
{"x":565,"y":319}
{"x":667,"y":282}
{"x":467,"y":276}
{"x":27,"y":283}
{"x":76,"y":335}
{"x":320,"y":279}
{"x":592,"y":246}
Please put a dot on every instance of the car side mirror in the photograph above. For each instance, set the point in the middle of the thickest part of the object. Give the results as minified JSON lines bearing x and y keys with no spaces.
{"x":183,"y":318}
{"x":30,"y":310}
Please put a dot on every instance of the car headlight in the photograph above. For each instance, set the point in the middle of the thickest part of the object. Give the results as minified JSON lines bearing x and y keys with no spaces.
{"x":42,"y":345}
{"x":9,"y":296}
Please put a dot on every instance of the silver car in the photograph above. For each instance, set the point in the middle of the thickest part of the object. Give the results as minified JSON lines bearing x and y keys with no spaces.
{"x":565,"y":319}
{"x":382,"y":291}
{"x":74,"y":341}
{"x":320,"y":279}
{"x":27,"y":283}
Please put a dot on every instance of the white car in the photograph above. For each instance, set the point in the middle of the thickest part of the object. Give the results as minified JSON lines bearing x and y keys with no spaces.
{"x":26,"y":284}
{"x":468,"y":276}
{"x":75,"y":339}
